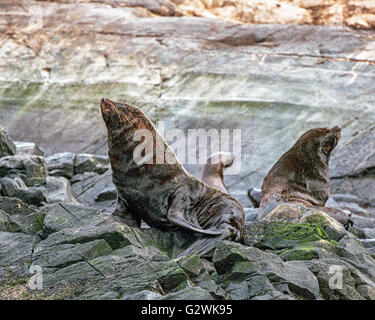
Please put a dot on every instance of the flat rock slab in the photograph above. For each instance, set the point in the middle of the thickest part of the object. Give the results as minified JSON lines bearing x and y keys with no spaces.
{"x":62,"y":255}
{"x":15,"y":254}
{"x":68,"y":215}
{"x":96,"y":191}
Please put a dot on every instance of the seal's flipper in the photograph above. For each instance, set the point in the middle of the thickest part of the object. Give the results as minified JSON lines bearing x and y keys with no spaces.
{"x":123,"y":213}
{"x":203,"y":246}
{"x":178,"y":219}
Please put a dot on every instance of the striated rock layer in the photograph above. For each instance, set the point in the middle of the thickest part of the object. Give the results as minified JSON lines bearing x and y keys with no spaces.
{"x":57,"y":59}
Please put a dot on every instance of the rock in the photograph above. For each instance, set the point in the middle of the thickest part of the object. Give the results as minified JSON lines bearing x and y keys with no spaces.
{"x":345,"y":198}
{"x":6,"y":224}
{"x":192,"y":265}
{"x":207,"y":282}
{"x":208,"y":88}
{"x":352,"y":170}
{"x":192,"y":293}
{"x":115,"y":234}
{"x":324,"y":225}
{"x":81,"y":182}
{"x":7,"y":147}
{"x":129,"y":270}
{"x":332,"y":203}
{"x":362,"y":186}
{"x":363,"y":222}
{"x":62,"y":255}
{"x":338,"y":280}
{"x":356,"y":209}
{"x":255,"y":196}
{"x":273,"y":295}
{"x":61,"y":164}
{"x":358,"y":232}
{"x":33,"y":195}
{"x":356,"y":14}
{"x":142,"y":295}
{"x":58,"y":189}
{"x":237,"y":263}
{"x":251,"y":214}
{"x":20,"y":217}
{"x":277,"y":235}
{"x":368,"y":243}
{"x":158,"y":7}
{"x":30,"y":224}
{"x":311,"y":250}
{"x":366,"y":291}
{"x":91,"y":163}
{"x":162,"y":240}
{"x":13,"y":205}
{"x":17,"y":188}
{"x":355,"y":254}
{"x":28,"y":148}
{"x":10,"y":187}
{"x":71,"y":215}
{"x":245,"y":290}
{"x":370,"y":233}
{"x":97,"y":191}
{"x":15,"y":254}
{"x":31,"y":169}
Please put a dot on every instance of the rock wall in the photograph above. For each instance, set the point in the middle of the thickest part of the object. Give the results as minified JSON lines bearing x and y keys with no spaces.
{"x":353,"y":13}
{"x":58,"y":58}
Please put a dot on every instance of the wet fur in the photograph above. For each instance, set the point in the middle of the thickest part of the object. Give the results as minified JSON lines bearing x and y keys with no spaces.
{"x":213,"y":170}
{"x":301,"y":175}
{"x":165,"y":196}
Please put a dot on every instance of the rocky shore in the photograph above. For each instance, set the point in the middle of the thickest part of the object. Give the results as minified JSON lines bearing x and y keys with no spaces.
{"x":55,"y":213}
{"x":192,"y":64}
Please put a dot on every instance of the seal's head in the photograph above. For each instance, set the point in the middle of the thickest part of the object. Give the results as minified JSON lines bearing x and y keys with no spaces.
{"x":319,"y":141}
{"x":114,"y":114}
{"x":121,"y":115}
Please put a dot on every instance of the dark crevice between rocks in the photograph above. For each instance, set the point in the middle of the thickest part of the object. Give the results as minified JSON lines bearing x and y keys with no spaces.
{"x":363,"y":173}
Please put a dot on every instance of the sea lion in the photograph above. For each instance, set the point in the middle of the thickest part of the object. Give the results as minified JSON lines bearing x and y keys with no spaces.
{"x":161,"y":193}
{"x":301,"y":175}
{"x":212,"y":173}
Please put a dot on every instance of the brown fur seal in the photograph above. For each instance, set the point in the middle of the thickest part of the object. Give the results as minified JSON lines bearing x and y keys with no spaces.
{"x":301,"y":175}
{"x":164,"y":195}
{"x":213,"y":170}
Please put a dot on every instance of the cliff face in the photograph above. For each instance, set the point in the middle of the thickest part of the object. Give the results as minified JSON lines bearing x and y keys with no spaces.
{"x":352,"y":13}
{"x":57,"y":59}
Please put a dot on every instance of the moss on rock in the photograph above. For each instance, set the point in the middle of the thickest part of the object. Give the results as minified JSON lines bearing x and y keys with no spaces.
{"x":280,"y":235}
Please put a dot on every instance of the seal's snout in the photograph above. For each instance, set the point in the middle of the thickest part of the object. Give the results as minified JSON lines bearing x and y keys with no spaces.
{"x":105,"y":105}
{"x":337,"y":132}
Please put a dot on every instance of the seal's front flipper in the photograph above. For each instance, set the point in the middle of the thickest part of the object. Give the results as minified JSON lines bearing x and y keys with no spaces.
{"x":123,"y":213}
{"x":178,"y":219}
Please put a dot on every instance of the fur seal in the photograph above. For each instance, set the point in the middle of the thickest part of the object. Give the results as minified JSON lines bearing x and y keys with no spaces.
{"x":301,"y":175}
{"x":164,"y":195}
{"x":212,"y":173}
